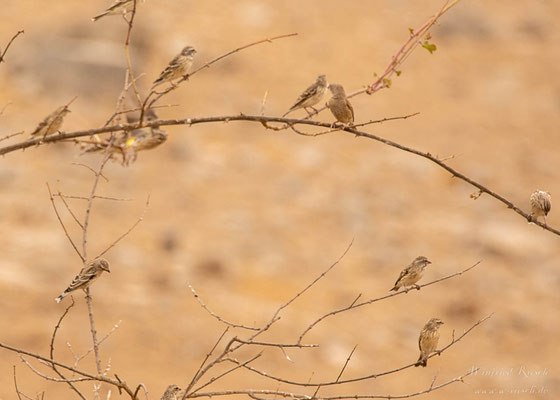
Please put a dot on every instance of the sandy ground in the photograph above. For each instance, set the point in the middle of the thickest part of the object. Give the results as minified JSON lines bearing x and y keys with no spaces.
{"x":249,"y":217}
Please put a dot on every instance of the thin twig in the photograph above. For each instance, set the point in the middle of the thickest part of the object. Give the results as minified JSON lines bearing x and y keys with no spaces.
{"x":215,"y":378}
{"x":369,"y":376}
{"x":363,"y":303}
{"x":91,"y":169}
{"x":198,"y":372}
{"x":2,"y":55}
{"x":11,"y":134}
{"x":53,"y":366}
{"x":213,"y":314}
{"x":62,"y":224}
{"x":63,"y":198}
{"x":121,"y":237}
{"x":346,"y":363}
{"x":254,"y":393}
{"x":15,"y":384}
{"x":106,"y":157}
{"x":119,"y":383}
{"x":127,"y":52}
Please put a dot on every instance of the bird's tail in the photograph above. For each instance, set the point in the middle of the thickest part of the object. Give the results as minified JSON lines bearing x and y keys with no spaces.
{"x":100,"y":15}
{"x":422,"y":361}
{"x":59,"y":298}
{"x":287,"y":112}
{"x":157,"y":82}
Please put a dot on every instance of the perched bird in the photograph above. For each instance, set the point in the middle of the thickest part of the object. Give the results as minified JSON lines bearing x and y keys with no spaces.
{"x":339,"y":104}
{"x":86,"y":276}
{"x":540,"y":205}
{"x":428,"y":340}
{"x":119,"y":7}
{"x":171,"y":392}
{"x":177,"y":67}
{"x":142,"y":140}
{"x":412,"y":274}
{"x":310,"y":96}
{"x":51,"y":123}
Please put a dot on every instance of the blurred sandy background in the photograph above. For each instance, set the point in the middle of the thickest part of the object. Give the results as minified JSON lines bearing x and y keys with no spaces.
{"x":249,"y":217}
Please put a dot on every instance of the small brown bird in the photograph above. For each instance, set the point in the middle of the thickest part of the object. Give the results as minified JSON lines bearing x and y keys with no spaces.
{"x":142,"y":140}
{"x":118,"y":7}
{"x":540,"y":205}
{"x":412,"y":274}
{"x":428,"y":340}
{"x":171,"y":392}
{"x":51,"y":123}
{"x":339,"y":104}
{"x":177,"y":67}
{"x":310,"y":96}
{"x":86,"y":276}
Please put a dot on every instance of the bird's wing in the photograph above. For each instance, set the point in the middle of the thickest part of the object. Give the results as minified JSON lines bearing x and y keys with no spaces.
{"x":84,"y":276}
{"x":307,"y":93}
{"x":351,"y":109}
{"x":404,"y":272}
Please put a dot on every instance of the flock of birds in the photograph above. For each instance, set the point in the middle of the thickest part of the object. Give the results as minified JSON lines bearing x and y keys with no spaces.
{"x":179,"y":67}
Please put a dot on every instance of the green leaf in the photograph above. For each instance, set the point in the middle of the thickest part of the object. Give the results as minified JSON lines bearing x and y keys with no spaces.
{"x":429,"y":46}
{"x":398,"y":73}
{"x":387,"y":82}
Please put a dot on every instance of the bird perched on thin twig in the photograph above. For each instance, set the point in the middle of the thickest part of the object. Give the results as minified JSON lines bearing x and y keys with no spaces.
{"x":339,"y":104}
{"x":310,"y":96}
{"x":86,"y":276}
{"x":52,"y":122}
{"x":428,"y":340}
{"x":171,"y":392}
{"x":540,"y":205}
{"x":177,"y":67}
{"x":118,"y":7}
{"x":412,"y":274}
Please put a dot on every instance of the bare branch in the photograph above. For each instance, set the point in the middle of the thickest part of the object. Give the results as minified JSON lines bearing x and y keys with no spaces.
{"x":127,"y":52}
{"x":198,"y":372}
{"x":357,"y":305}
{"x":118,"y":383}
{"x":369,"y":376}
{"x":15,"y":384}
{"x":346,"y":363}
{"x":11,"y":134}
{"x":140,"y":219}
{"x":90,"y":201}
{"x":256,"y":393}
{"x":205,"y":307}
{"x":50,"y":378}
{"x":53,"y":366}
{"x":2,"y":55}
{"x":63,"y":198}
{"x":261,"y":119}
{"x":62,"y":224}
{"x":215,"y":378}
{"x":91,"y":169}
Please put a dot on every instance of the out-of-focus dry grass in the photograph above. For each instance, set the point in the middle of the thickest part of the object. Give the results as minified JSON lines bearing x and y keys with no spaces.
{"x":249,"y":217}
